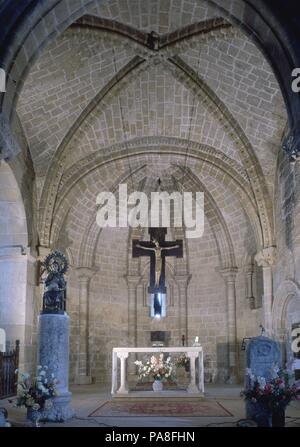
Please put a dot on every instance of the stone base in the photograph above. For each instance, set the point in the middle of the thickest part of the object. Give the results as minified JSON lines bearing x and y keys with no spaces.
{"x":61,"y":410}
{"x":53,"y":352}
{"x":83,"y":380}
{"x":158,"y":394}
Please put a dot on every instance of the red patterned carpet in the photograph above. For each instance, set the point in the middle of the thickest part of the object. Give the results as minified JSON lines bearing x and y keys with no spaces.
{"x":165,"y":408}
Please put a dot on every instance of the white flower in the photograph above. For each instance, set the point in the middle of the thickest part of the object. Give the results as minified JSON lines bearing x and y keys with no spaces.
{"x":262,"y":382}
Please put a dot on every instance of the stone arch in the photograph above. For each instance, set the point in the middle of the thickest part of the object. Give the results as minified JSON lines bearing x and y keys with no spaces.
{"x":250,"y":162}
{"x":222,"y":236}
{"x":139,"y":155}
{"x":286,"y":292}
{"x":218,"y":224}
{"x":91,"y":236}
{"x":263,"y":26}
{"x":164,"y":41}
{"x":36,"y":24}
{"x":185,"y":74}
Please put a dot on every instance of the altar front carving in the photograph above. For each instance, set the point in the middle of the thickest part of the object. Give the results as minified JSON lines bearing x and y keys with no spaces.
{"x":195,"y":387}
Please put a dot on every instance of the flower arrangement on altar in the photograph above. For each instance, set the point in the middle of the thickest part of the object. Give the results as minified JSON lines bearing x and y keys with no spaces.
{"x":276,"y":392}
{"x":183,"y":361}
{"x":35,"y":393}
{"x":156,"y":368}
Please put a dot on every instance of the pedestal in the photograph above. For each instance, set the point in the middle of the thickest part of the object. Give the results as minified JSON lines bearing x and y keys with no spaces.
{"x":53,"y":352}
{"x":259,"y":413}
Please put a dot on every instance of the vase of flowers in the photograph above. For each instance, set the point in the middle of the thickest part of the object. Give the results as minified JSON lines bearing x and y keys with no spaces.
{"x":157,"y":369}
{"x":183,"y":362}
{"x":33,"y":416}
{"x":278,"y":416}
{"x":157,"y":385}
{"x":36,"y":394}
{"x":266,"y":400}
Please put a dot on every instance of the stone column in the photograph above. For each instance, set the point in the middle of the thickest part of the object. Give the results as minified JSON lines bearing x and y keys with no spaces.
{"x":123,"y":375}
{"x":53,"y":352}
{"x":229,"y":276}
{"x":83,"y":374}
{"x":17,"y":287}
{"x":183,"y":281}
{"x":192,"y":388}
{"x":265,"y":259}
{"x":250,"y":296}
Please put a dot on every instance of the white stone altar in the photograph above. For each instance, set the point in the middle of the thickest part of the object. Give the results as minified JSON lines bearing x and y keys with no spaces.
{"x":195,"y":388}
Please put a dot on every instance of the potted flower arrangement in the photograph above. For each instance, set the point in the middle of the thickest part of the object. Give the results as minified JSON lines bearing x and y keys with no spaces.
{"x":267,"y":399}
{"x":36,"y":393}
{"x":183,"y":361}
{"x":156,"y":368}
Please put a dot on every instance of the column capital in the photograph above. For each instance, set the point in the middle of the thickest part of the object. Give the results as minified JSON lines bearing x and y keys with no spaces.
{"x":43,"y":252}
{"x":192,"y":355}
{"x":132,"y":280}
{"x":229,"y":273}
{"x":122,"y":355}
{"x":85,"y":273}
{"x":266,"y":257}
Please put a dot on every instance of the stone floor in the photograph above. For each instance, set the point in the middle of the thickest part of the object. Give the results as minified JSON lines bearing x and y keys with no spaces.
{"x":86,"y":398}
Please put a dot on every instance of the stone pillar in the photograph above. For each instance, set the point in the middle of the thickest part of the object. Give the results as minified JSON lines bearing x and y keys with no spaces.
{"x":266,"y":258}
{"x":183,"y":281}
{"x":250,"y":296}
{"x":293,"y":215}
{"x":53,"y":352}
{"x":192,"y":388}
{"x":83,"y":373}
{"x":132,"y":282}
{"x":123,"y":374}
{"x":17,"y":287}
{"x":229,"y":276}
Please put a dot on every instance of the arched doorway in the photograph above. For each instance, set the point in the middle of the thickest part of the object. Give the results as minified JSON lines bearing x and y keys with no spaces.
{"x":286,"y":317}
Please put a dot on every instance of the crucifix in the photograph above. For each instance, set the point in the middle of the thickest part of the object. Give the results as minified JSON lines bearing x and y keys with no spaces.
{"x":157,"y":249}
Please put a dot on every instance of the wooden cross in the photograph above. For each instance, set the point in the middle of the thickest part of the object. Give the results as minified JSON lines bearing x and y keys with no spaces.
{"x":157,"y":249}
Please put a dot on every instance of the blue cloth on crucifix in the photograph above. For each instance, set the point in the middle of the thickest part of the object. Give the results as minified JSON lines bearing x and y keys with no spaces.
{"x":157,"y":249}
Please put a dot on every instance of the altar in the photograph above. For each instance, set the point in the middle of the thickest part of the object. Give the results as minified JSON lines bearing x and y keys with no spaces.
{"x":194,"y":389}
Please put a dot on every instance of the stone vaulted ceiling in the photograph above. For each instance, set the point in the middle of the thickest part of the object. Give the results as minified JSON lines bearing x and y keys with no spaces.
{"x":110,"y":101}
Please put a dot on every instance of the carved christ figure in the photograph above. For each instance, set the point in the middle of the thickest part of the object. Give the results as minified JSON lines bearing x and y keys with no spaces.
{"x":158,"y":258}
